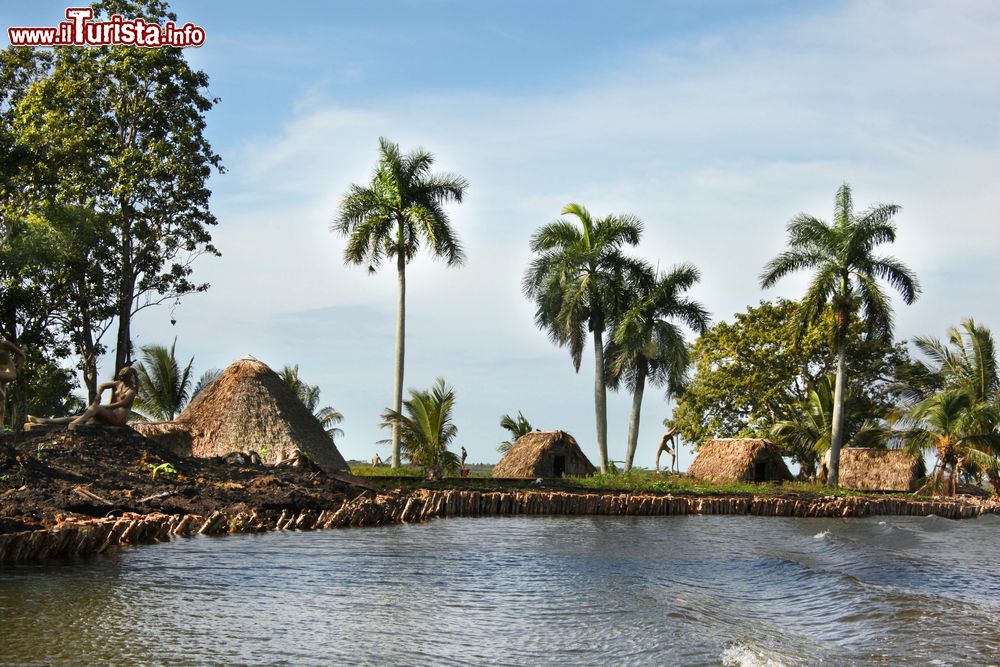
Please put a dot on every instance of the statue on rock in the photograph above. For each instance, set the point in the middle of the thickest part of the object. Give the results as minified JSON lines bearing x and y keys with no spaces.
{"x":11,"y":362}
{"x":116,"y":413}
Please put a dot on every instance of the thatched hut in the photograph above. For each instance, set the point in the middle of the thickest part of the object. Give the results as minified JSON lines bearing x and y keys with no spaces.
{"x":739,"y":459}
{"x":544,"y":454}
{"x":868,"y":469}
{"x":247,"y":408}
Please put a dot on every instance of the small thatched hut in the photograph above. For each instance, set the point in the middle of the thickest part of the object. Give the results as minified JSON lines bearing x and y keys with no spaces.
{"x":247,"y":408}
{"x":544,"y":454}
{"x":739,"y":459}
{"x":868,"y":469}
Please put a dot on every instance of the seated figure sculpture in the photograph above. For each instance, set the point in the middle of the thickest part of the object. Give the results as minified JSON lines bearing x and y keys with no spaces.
{"x":116,"y":413}
{"x":11,"y":362}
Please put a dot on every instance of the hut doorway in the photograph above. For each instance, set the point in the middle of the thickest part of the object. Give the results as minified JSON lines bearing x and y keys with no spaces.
{"x":558,"y":466}
{"x":760,"y":471}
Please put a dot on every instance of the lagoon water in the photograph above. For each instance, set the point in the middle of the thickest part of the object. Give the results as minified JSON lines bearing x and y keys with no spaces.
{"x":699,"y":590}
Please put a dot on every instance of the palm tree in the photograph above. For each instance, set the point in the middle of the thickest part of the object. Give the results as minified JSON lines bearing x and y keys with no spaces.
{"x":400,"y":209}
{"x":845,"y":278}
{"x":966,"y":364}
{"x":950,"y":423}
{"x":207,"y":378}
{"x":646,"y":345}
{"x":427,"y":428}
{"x":309,"y":395}
{"x":517,"y":426}
{"x":578,"y":284}
{"x":163,"y":384}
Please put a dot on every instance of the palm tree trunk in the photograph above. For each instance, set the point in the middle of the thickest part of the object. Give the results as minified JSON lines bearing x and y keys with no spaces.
{"x":837,"y":435}
{"x":633,"y":422}
{"x":600,"y":399}
{"x":397,"y":397}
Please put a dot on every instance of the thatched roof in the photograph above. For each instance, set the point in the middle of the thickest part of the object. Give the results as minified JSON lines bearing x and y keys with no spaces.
{"x":247,"y":408}
{"x":532,"y":456}
{"x":868,"y":469}
{"x":172,"y":435}
{"x":739,"y":459}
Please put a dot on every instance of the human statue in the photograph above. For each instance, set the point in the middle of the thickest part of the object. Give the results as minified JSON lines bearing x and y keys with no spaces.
{"x":116,"y":413}
{"x":11,"y":363}
{"x":668,"y":445}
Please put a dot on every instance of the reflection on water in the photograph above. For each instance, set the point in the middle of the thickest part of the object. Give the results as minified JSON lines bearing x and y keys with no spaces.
{"x":526,"y":590}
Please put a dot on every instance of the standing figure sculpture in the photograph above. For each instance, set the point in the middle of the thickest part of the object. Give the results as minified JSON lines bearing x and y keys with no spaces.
{"x":116,"y":413}
{"x":667,"y":445}
{"x":11,"y":363}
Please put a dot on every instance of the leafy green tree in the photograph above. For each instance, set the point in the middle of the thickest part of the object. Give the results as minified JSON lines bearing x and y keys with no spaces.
{"x":647,"y":344}
{"x":578,"y":282}
{"x":164,"y":385}
{"x":120,"y":130}
{"x":80,"y":239}
{"x":309,"y":395}
{"x":401,"y":209}
{"x":758,"y":369}
{"x":846,"y":279}
{"x":517,"y":426}
{"x":427,"y":428}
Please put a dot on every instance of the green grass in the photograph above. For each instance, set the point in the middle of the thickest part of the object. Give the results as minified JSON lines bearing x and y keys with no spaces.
{"x":637,"y":481}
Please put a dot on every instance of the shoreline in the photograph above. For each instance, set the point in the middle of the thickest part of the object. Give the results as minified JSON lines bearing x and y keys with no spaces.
{"x":84,"y":537}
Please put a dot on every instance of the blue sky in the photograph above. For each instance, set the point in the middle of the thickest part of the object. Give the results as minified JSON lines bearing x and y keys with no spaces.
{"x":715,"y":122}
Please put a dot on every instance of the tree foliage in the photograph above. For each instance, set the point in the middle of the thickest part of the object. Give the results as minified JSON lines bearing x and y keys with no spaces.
{"x":309,"y":394}
{"x":758,"y":370}
{"x":119,"y":131}
{"x":427,"y":428}
{"x":516,"y":426}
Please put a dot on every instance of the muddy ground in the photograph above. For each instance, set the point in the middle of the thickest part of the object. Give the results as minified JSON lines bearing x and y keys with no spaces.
{"x":53,"y":475}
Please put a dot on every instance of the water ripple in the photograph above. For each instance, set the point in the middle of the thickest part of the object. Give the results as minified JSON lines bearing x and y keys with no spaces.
{"x":704,"y":590}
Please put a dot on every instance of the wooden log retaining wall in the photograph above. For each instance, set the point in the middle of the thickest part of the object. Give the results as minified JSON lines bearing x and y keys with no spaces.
{"x":83,"y":537}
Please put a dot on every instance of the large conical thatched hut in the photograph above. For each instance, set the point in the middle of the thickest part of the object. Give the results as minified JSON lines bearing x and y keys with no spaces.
{"x":248,"y":408}
{"x":868,"y":469}
{"x":544,"y":454}
{"x":739,"y":459}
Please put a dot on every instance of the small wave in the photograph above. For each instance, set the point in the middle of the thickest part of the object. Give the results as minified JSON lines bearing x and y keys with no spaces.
{"x":822,"y":535}
{"x":741,"y":655}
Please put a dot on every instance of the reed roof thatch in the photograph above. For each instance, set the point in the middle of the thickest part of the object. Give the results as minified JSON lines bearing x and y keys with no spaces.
{"x":868,"y":469}
{"x":534,"y":455}
{"x":250,"y":408}
{"x":739,"y":459}
{"x":175,"y":436}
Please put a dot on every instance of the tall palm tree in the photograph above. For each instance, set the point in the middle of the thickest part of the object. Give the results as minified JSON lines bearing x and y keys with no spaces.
{"x":427,"y":428}
{"x":309,"y":395}
{"x":517,"y":426}
{"x":647,"y":345}
{"x":578,"y":283}
{"x":846,"y":275}
{"x":163,"y":385}
{"x":390,"y":218}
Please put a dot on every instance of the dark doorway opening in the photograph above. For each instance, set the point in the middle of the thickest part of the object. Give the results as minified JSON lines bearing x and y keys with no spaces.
{"x":760,"y":471}
{"x":558,"y":466}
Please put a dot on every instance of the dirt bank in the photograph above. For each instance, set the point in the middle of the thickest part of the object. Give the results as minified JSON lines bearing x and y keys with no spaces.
{"x":47,"y":478}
